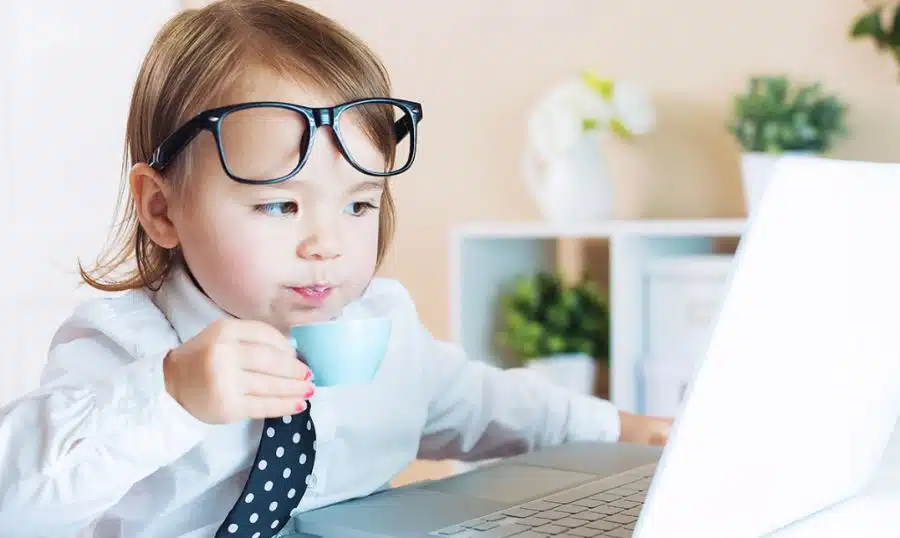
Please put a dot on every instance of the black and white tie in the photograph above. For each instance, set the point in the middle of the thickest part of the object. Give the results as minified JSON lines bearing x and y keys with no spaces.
{"x":278,"y":479}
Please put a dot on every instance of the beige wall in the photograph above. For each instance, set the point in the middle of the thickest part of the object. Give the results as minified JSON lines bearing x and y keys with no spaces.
{"x":476,"y":66}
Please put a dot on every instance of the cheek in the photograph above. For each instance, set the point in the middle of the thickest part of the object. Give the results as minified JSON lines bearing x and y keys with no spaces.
{"x":233,"y":245}
{"x":363,"y":244}
{"x":225,"y":255}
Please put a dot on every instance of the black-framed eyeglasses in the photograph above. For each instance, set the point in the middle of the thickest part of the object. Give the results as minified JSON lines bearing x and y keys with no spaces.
{"x":268,"y":142}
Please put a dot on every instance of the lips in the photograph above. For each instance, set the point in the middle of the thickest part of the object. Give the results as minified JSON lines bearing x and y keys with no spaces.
{"x":318,"y":292}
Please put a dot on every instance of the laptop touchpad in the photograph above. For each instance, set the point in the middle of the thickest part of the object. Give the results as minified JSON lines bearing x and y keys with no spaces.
{"x":509,"y":483}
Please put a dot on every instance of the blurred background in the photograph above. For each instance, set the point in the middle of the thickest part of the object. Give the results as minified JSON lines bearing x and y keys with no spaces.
{"x":584,"y":175}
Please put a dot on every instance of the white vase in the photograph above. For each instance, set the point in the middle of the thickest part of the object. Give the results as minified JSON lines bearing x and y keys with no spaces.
{"x":576,"y":187}
{"x":574,"y":371}
{"x":756,"y":172}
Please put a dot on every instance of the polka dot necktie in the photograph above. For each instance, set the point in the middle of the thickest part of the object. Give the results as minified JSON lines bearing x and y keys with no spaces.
{"x":278,"y":479}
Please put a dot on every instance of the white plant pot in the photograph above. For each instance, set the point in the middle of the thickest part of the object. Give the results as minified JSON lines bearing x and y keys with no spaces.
{"x":577,"y":187}
{"x":573,"y":371}
{"x":757,"y":169}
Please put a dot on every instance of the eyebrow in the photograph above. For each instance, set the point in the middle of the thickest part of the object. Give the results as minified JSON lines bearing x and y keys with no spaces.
{"x":371,"y":184}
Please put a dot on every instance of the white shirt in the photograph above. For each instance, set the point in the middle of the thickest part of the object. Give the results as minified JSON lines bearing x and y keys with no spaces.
{"x":101,"y":450}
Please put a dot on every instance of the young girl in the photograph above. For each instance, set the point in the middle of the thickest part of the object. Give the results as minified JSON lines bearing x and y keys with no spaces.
{"x":261,"y":136}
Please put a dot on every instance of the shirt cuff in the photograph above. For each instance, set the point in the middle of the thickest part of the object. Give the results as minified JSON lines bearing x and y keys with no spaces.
{"x":593,"y":419}
{"x":139,"y":420}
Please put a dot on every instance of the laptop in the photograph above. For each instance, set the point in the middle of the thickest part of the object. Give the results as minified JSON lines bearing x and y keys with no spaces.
{"x":788,"y":413}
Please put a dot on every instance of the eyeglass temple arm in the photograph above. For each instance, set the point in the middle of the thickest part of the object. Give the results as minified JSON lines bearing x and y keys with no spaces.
{"x":173,"y":145}
{"x":403,"y":126}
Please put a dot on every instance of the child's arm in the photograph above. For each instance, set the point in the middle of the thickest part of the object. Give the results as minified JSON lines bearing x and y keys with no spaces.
{"x":114,"y":408}
{"x":479,"y":411}
{"x":100,"y":422}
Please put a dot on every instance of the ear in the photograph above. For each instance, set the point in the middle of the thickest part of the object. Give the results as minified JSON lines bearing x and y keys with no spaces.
{"x":153,"y":201}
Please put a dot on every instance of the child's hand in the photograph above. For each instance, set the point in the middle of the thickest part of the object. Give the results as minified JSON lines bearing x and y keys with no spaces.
{"x":235,"y":370}
{"x":644,"y":430}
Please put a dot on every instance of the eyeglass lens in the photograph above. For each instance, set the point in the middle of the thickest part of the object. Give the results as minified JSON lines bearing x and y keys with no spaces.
{"x":263,"y":143}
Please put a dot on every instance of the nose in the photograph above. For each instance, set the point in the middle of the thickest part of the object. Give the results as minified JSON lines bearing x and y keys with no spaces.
{"x":323,"y":244}
{"x":322,"y":239}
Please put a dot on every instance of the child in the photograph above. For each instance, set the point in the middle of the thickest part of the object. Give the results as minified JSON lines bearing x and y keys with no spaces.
{"x":164,"y":410}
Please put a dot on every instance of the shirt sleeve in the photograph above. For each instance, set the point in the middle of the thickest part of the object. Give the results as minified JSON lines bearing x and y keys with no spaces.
{"x":73,"y":447}
{"x":480,"y":411}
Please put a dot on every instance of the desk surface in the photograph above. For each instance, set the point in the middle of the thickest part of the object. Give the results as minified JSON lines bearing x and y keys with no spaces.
{"x":873,"y":513}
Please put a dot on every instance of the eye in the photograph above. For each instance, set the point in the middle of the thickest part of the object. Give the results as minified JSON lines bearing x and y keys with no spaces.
{"x":358,"y":209}
{"x":277,"y":208}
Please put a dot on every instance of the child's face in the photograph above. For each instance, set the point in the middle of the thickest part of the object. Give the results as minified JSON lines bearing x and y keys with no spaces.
{"x":289,"y":253}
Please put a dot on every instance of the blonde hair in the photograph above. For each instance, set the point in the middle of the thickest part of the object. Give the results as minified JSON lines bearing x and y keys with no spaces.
{"x":195,"y":58}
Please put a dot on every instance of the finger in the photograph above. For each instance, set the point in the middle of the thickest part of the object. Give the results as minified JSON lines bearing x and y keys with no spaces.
{"x":257,"y":332}
{"x":265,"y":360}
{"x":661,"y":435}
{"x":258,"y":384}
{"x":272,"y":406}
{"x":659,"y":439}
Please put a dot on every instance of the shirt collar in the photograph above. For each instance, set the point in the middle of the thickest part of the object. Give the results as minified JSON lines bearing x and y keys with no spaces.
{"x":187,"y":308}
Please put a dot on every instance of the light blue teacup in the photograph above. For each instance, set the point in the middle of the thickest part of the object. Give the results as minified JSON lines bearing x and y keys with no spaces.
{"x":343,"y":352}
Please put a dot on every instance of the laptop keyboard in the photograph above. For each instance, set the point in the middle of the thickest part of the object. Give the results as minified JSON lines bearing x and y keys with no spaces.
{"x":605,"y":508}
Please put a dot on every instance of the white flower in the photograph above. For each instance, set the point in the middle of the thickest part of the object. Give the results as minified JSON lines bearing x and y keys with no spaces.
{"x":632,"y":107}
{"x":558,"y":119}
{"x":587,"y":103}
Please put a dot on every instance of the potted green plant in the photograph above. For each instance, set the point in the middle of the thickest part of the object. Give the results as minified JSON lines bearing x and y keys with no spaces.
{"x":773,"y":118}
{"x":560,"y":329}
{"x":872,"y":24}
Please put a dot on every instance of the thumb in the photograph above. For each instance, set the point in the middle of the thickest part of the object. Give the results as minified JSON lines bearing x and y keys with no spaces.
{"x":661,"y":433}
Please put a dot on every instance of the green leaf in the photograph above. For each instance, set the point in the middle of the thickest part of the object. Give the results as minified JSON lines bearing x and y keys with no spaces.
{"x":619,"y":129}
{"x":603,"y":86}
{"x":515,"y":319}
{"x":540,"y":315}
{"x":569,"y":299}
{"x":893,"y":36}
{"x":533,"y":329}
{"x":557,"y":316}
{"x":773,"y":115}
{"x":556,"y":344}
{"x":748,"y":135}
{"x":868,"y":24}
{"x":529,"y":350}
{"x":776,"y":88}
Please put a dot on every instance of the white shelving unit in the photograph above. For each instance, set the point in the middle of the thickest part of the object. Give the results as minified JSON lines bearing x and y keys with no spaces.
{"x":484,"y":257}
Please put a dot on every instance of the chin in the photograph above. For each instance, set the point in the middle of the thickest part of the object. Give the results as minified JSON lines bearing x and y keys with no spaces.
{"x":312,"y":316}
